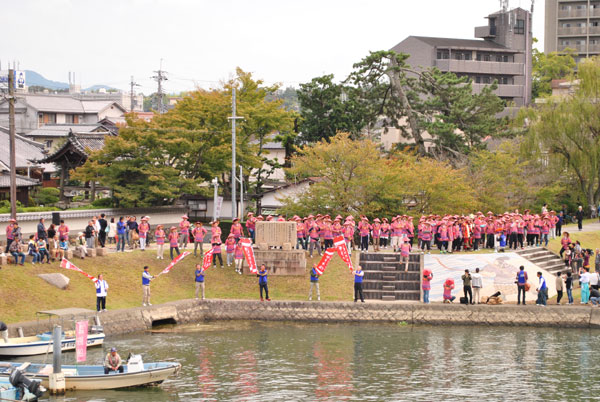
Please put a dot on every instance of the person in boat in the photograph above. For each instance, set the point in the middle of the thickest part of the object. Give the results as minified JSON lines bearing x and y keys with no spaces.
{"x":113,"y":362}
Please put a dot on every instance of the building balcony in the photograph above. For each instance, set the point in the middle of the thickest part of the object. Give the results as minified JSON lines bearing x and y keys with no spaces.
{"x":577,"y":48}
{"x":572,"y":14}
{"x":572,"y":31}
{"x":485,"y":32}
{"x":503,"y":91}
{"x":480,"y":67}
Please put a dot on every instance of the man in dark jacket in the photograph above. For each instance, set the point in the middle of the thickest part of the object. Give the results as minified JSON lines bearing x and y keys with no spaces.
{"x":102,"y":235}
{"x":41,"y":230}
{"x":90,"y":232}
{"x":579,"y":217}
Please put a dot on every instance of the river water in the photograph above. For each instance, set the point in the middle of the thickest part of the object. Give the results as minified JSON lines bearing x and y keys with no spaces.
{"x":254,"y":361}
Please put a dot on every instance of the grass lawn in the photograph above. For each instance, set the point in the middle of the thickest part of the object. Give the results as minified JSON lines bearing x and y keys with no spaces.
{"x":22,"y":293}
{"x":587,"y":240}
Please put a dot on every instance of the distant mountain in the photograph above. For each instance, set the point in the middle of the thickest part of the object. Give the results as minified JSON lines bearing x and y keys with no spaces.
{"x":35,"y":79}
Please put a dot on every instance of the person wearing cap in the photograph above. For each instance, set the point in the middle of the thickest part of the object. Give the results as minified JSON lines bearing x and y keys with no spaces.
{"x":239,"y":257}
{"x":9,"y":234}
{"x":215,"y":231}
{"x":113,"y":362}
{"x":216,"y":247}
{"x":236,"y":230}
{"x":173,"y":241}
{"x":327,"y":233}
{"x":363,"y":229}
{"x":385,"y":233}
{"x":376,"y":230}
{"x":300,"y":233}
{"x":184,"y":232}
{"x":121,"y":234}
{"x":146,"y":278}
{"x":313,"y":233}
{"x":159,"y":235}
{"x":251,"y":225}
{"x":395,"y":228}
{"x":230,"y":249}
{"x":199,"y":231}
{"x":348,"y":232}
{"x":143,"y":229}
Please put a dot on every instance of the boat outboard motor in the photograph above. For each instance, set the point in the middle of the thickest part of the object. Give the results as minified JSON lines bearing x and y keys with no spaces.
{"x":4,"y":331}
{"x":20,"y":380}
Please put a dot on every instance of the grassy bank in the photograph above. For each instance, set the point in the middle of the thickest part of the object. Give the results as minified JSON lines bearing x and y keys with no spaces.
{"x":22,"y":293}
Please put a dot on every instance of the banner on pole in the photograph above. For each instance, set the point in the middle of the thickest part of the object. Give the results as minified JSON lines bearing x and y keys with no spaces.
{"x":249,"y":254}
{"x":81,"y":335}
{"x":66,"y":264}
{"x":207,"y":260}
{"x":342,"y":249}
{"x":324,"y":260}
{"x":175,"y":261}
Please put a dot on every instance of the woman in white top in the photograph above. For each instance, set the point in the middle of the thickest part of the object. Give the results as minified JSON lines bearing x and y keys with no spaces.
{"x":112,"y":231}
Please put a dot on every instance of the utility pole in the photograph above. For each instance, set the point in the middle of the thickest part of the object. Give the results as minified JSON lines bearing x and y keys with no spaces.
{"x":160,"y":77}
{"x":233,"y":119}
{"x":241,"y":195}
{"x":12,"y":135}
{"x":131,"y":94}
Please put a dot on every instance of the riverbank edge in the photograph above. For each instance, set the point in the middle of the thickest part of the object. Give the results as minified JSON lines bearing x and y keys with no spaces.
{"x":191,"y":311}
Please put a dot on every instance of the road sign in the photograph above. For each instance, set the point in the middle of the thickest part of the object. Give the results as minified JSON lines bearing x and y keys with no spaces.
{"x":20,"y":79}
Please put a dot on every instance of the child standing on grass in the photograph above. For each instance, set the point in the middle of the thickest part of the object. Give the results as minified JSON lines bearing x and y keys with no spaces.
{"x":230,"y":248}
{"x":239,"y":257}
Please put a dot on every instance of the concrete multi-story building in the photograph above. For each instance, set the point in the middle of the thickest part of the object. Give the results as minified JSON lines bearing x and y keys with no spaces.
{"x":502,"y":54}
{"x":573,"y":24}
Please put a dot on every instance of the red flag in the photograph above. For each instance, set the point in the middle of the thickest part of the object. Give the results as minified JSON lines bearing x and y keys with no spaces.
{"x":324,"y":260}
{"x":69,"y":265}
{"x":207,"y":260}
{"x":340,"y":245}
{"x":249,"y":254}
{"x":175,"y":261}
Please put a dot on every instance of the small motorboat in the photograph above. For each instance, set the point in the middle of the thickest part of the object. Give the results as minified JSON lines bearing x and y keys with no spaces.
{"x":42,"y":344}
{"x":20,"y":388}
{"x":77,"y":377}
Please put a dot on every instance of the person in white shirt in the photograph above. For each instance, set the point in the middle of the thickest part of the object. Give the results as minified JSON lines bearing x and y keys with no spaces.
{"x":593,"y":280}
{"x":584,"y":280}
{"x":101,"y":292}
{"x":477,"y":283}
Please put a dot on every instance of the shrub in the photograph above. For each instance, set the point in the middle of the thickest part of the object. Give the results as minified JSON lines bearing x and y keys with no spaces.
{"x":46,"y":196}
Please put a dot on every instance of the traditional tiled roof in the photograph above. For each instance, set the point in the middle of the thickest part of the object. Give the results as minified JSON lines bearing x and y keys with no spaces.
{"x":77,"y":147}
{"x":62,"y":130}
{"x":22,"y":181}
{"x":459,"y":43}
{"x":26,"y":151}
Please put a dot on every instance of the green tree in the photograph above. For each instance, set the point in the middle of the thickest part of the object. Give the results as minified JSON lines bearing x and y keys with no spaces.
{"x":417,"y":102}
{"x":353,"y":177}
{"x":548,"y":67}
{"x":565,"y":133}
{"x":328,"y":108}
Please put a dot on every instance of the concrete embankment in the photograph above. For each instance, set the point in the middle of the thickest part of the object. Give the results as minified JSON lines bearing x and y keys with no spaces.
{"x":192,"y":311}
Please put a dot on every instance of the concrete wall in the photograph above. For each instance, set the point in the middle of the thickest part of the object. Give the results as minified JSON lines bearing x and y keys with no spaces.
{"x":193,"y":311}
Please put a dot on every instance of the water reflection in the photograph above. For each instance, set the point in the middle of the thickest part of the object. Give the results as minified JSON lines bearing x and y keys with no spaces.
{"x":290,"y":362}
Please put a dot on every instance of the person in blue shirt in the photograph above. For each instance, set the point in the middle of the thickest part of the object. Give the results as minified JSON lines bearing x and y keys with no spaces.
{"x":121,"y":233}
{"x":521,"y":281}
{"x":146,"y":278}
{"x":314,"y":282}
{"x":262,"y":282}
{"x":542,"y":290}
{"x":199,"y":280}
{"x":358,"y":279}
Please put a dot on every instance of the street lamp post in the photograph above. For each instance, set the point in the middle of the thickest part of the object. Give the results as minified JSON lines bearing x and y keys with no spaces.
{"x":215,"y":183}
{"x":233,"y":119}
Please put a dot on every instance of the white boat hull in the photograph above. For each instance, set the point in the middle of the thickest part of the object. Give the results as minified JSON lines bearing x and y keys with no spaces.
{"x":32,"y":345}
{"x":93,"y":377}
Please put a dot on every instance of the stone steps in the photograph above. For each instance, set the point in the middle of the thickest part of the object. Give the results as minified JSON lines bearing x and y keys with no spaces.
{"x":543,"y":258}
{"x":386,"y":279}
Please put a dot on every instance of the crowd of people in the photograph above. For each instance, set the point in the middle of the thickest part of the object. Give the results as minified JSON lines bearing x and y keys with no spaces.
{"x":315,"y":233}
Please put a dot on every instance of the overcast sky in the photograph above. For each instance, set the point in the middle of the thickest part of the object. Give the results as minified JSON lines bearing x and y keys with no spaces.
{"x":201,"y":42}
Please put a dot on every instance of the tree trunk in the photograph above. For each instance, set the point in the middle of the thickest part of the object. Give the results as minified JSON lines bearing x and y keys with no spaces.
{"x":412,"y":121}
{"x":63,"y":169}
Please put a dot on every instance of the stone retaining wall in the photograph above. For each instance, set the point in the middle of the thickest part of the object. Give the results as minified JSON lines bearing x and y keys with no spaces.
{"x":192,"y":311}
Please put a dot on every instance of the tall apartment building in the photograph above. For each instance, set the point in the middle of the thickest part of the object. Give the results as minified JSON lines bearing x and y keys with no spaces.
{"x":502,"y":54}
{"x":573,"y":24}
